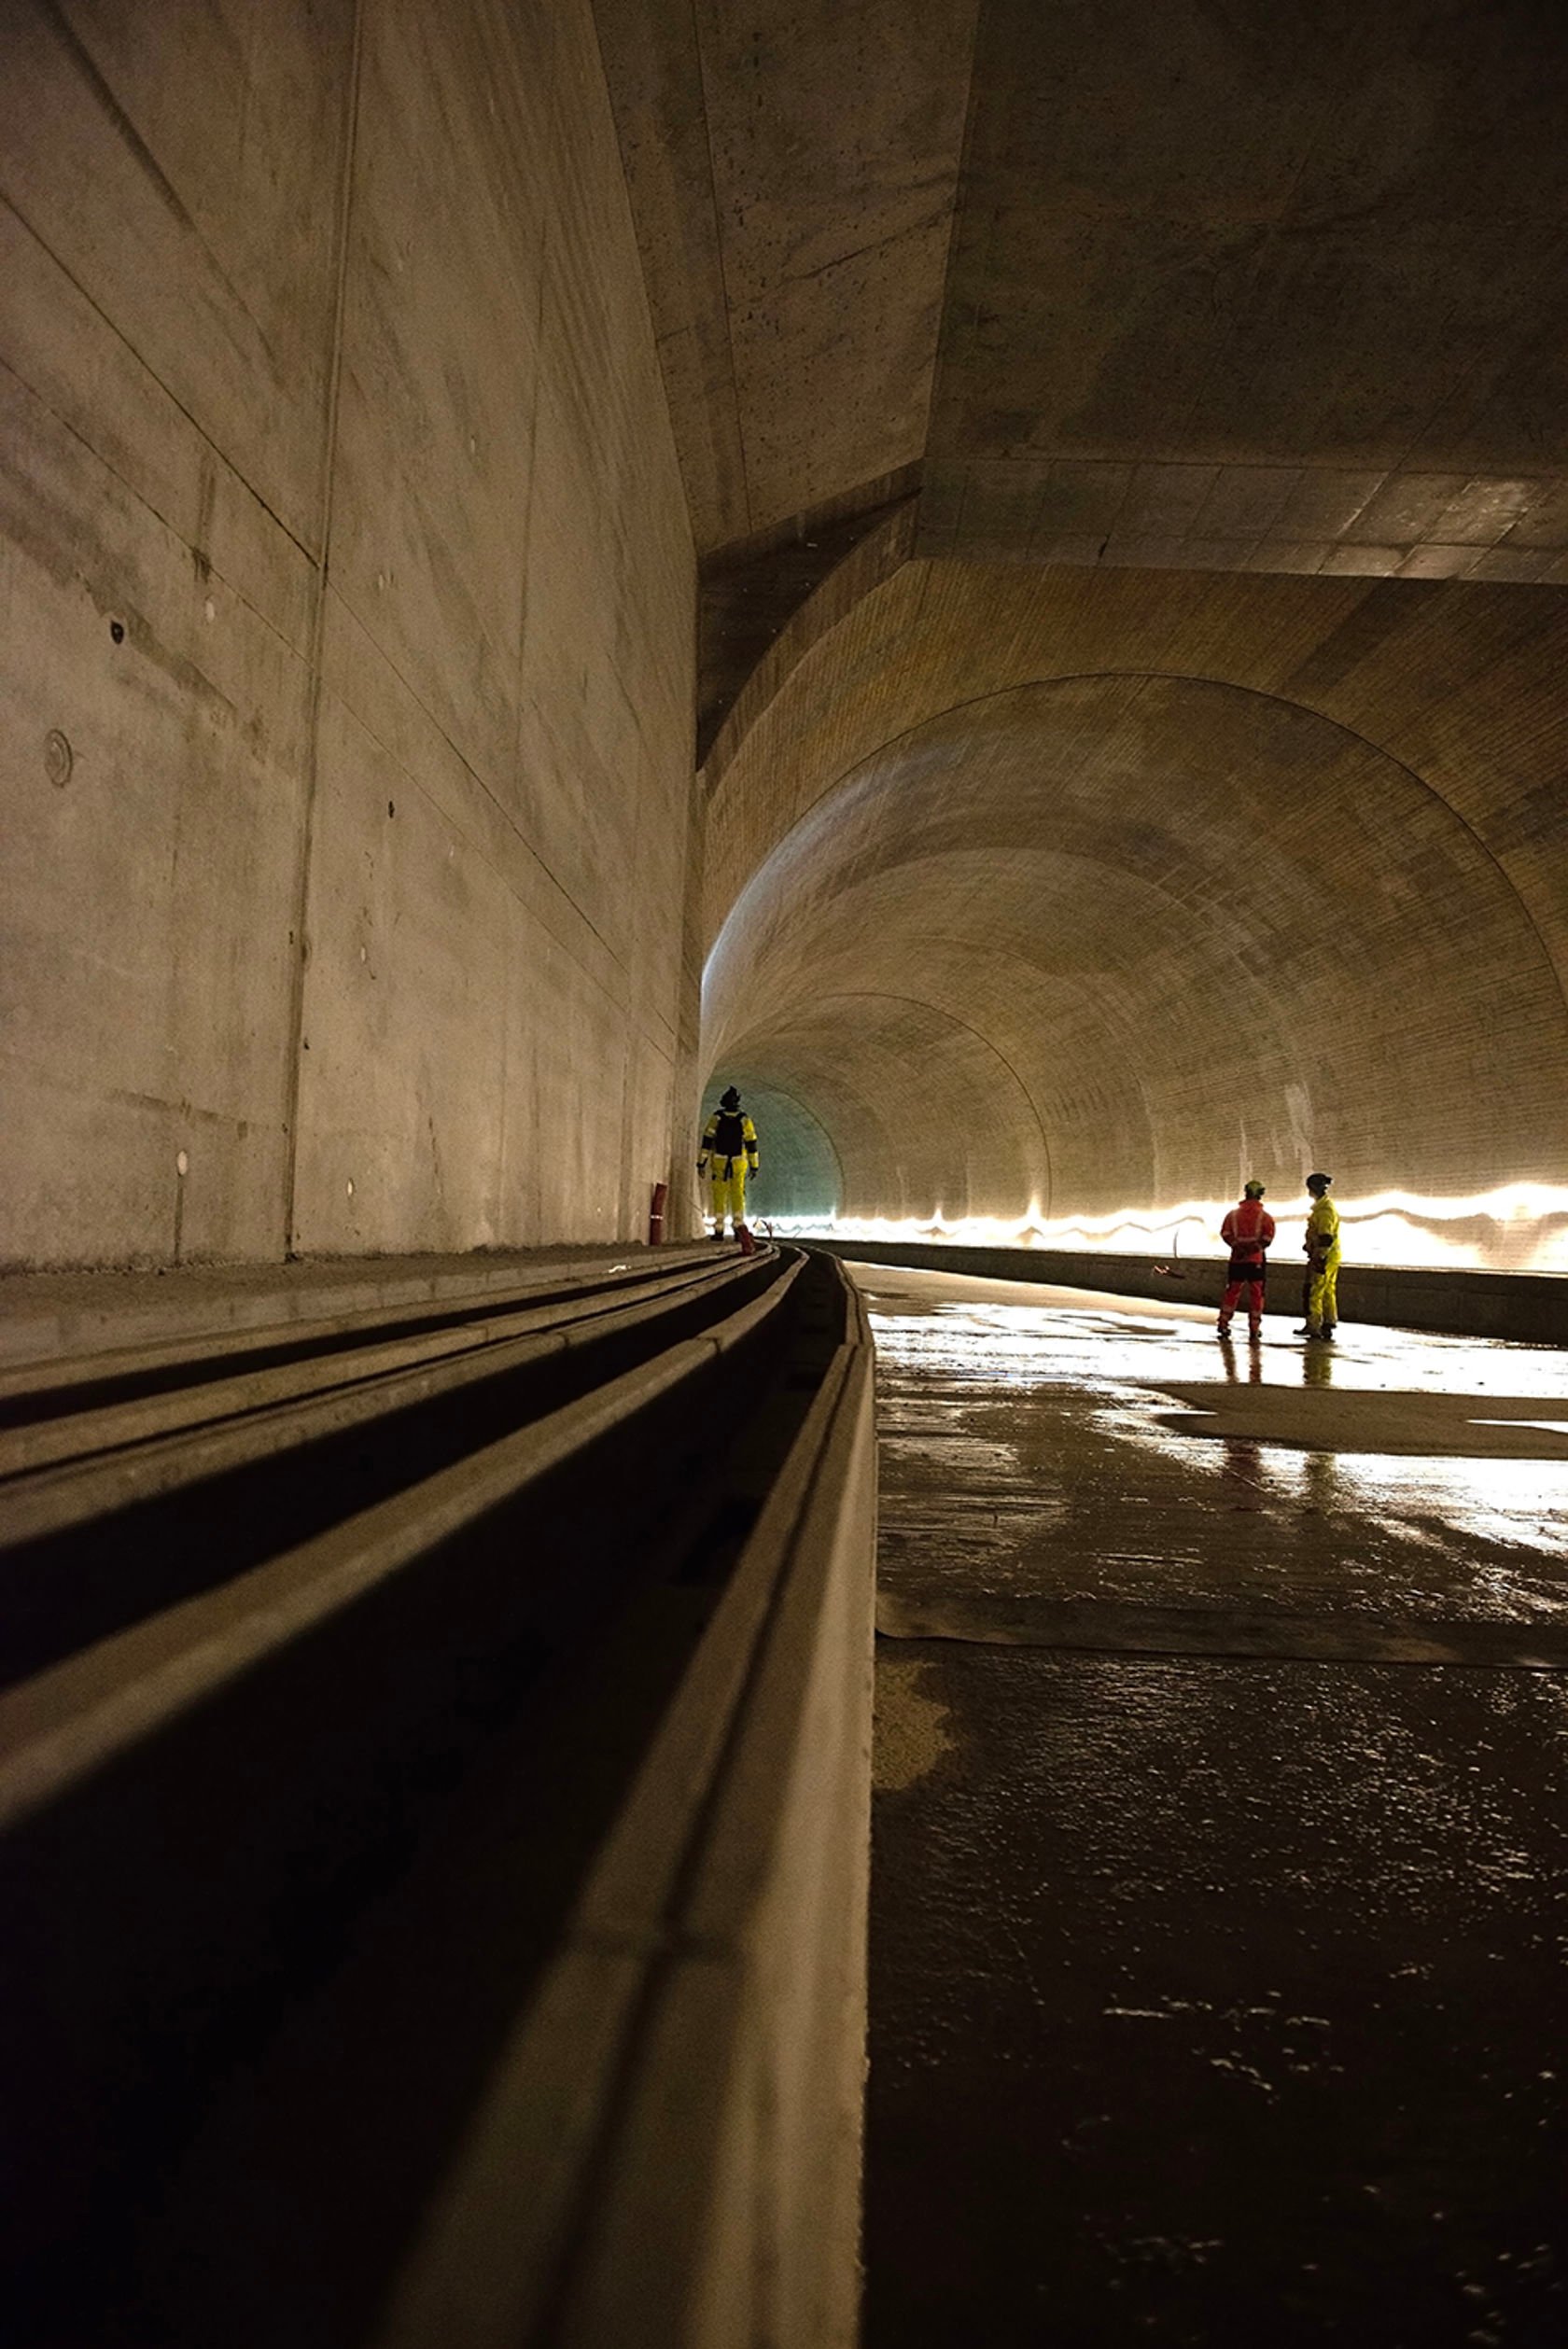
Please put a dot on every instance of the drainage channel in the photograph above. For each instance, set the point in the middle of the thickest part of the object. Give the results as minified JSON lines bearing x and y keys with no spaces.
{"x":324,"y":1696}
{"x":130,"y":1505}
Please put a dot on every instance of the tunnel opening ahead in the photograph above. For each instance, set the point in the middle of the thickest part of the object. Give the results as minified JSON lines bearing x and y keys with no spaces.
{"x":800,"y":1183}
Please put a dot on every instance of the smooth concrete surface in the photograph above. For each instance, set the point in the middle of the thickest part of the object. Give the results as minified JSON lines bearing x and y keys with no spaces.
{"x":731,"y":2208}
{"x":1141,"y":284}
{"x":1216,"y":1936}
{"x":1506,"y":1304}
{"x":1189,"y":316}
{"x":670,"y":2149}
{"x":348,"y":690}
{"x":529,"y":2004}
{"x":793,"y":181}
{"x":44,"y":1316}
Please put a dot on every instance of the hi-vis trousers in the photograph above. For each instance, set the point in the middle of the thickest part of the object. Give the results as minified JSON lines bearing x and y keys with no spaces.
{"x":1322,"y":1295}
{"x":728,"y":1177}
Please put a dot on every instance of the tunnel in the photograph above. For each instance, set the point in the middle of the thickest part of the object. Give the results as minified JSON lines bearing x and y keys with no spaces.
{"x":1080,"y":943}
{"x":621,"y":1727}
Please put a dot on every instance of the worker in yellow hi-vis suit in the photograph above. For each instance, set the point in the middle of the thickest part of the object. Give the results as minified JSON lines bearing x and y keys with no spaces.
{"x":1320,"y":1294}
{"x":729,"y":1154}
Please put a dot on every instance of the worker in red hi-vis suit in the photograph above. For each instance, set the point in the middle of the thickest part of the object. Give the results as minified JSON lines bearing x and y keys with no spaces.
{"x":1246,"y":1231}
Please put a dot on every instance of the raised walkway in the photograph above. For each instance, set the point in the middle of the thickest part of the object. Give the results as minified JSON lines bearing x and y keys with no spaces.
{"x":434,"y":1775}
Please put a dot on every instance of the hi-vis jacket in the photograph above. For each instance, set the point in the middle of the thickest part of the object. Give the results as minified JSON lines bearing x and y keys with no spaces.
{"x":1322,"y":1242}
{"x":728,"y":1134}
{"x":1247,"y":1231}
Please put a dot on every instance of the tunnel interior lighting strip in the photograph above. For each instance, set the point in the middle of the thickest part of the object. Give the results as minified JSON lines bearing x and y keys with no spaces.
{"x":1519,"y":1227}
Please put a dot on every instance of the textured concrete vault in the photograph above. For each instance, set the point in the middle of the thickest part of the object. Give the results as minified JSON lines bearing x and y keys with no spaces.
{"x":1089,"y":482}
{"x":1071,"y":943}
{"x":1173,"y":784}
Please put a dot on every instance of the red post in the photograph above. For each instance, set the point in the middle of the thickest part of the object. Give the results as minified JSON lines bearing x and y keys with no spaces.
{"x":656,"y":1214}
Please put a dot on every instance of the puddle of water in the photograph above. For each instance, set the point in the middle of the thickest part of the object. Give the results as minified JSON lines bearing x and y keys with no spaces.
{"x":1024,"y":1444}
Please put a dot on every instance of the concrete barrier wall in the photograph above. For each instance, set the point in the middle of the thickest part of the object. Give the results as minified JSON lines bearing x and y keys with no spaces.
{"x":670,"y":2152}
{"x":345,"y":730}
{"x":740,"y":2154}
{"x":1528,"y":1306}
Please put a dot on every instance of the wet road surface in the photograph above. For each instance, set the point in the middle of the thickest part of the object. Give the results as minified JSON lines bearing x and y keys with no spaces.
{"x":1218,"y":1884}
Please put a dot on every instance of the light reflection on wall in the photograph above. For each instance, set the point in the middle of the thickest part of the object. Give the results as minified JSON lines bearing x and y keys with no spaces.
{"x":1520,"y":1228}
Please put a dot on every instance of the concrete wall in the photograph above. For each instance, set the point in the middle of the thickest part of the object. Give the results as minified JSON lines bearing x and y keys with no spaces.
{"x":346,"y":721}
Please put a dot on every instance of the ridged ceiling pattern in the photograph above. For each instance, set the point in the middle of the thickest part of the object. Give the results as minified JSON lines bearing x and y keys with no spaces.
{"x":1072,"y":891}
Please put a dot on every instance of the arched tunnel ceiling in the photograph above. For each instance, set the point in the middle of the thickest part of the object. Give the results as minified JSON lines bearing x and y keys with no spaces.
{"x":1461,"y":683}
{"x":1175,"y":778}
{"x":1066,"y":893}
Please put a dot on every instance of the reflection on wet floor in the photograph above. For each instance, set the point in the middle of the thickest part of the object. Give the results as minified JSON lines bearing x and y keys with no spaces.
{"x":1217,"y":1922}
{"x":1070,"y":1450}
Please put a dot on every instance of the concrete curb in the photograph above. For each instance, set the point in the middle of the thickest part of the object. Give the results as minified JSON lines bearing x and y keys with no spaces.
{"x":44,"y":1316}
{"x":661,"y":2130}
{"x":1530,"y":1308}
{"x":669,"y":2151}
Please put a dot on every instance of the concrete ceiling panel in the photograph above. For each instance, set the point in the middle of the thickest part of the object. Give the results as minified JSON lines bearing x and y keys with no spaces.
{"x":1218,"y":288}
{"x":1245,"y":235}
{"x":793,"y":175}
{"x":1294,"y":248}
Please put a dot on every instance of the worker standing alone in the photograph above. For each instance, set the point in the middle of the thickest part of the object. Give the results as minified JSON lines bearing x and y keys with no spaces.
{"x":729,"y":1154}
{"x":1246,"y":1231}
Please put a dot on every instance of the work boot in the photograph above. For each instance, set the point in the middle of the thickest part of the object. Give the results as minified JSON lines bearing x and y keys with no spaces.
{"x":719,"y":1236}
{"x":1254,"y":1329}
{"x":1224,"y":1329}
{"x":1307,"y":1331}
{"x":1326,"y":1333}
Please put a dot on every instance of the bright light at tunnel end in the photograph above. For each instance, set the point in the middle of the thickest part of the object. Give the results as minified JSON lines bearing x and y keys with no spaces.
{"x":1520,"y":1228}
